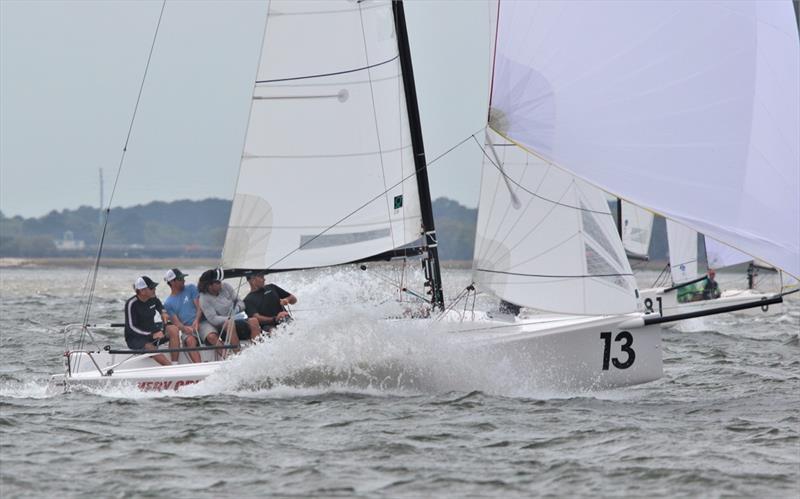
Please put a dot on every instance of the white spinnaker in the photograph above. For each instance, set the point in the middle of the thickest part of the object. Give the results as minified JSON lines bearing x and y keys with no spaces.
{"x":720,"y":255}
{"x":328,"y":145}
{"x":557,"y":248}
{"x":689,"y":109}
{"x":682,"y":252}
{"x":637,"y":230}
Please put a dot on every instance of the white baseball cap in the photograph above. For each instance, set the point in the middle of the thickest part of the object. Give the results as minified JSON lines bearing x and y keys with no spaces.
{"x":144,"y":282}
{"x":174,"y":274}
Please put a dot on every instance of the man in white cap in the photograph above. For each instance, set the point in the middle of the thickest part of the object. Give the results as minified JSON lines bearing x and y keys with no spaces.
{"x":183,"y":309}
{"x":142,"y":330}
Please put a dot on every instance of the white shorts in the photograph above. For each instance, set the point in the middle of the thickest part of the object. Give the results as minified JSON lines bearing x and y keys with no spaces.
{"x":205,"y":329}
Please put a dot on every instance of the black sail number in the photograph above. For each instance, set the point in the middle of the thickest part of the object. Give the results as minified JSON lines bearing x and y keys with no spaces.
{"x":626,"y":346}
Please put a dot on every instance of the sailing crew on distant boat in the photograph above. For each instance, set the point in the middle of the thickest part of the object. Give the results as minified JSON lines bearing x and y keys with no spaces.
{"x":145,"y":322}
{"x":711,"y":288}
{"x":183,"y":310}
{"x":267,"y":302}
{"x":705,"y":289}
{"x":219,"y":304}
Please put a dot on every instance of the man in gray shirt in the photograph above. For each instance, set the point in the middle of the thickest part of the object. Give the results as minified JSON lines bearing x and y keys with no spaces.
{"x":219,"y":304}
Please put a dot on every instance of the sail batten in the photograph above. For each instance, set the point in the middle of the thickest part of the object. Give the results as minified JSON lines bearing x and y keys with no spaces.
{"x":688,"y":109}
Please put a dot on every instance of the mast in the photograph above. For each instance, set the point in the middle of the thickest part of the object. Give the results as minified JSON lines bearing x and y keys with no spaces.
{"x":431,"y":262}
{"x":619,"y":217}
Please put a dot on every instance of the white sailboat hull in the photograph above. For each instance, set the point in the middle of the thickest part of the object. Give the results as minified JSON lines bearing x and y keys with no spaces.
{"x":546,"y":352}
{"x":657,"y":300}
{"x":572,"y":353}
{"x":100,"y":369}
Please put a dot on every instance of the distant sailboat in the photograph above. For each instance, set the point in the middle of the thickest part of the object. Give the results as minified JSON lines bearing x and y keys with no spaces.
{"x":685,"y":293}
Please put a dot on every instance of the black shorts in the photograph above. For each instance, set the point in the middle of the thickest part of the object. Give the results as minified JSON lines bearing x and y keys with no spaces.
{"x":242,"y":331}
{"x":138,"y":341}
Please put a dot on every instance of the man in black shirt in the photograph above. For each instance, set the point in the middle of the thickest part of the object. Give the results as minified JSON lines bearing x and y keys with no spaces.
{"x":266,"y":302}
{"x":145,"y":320}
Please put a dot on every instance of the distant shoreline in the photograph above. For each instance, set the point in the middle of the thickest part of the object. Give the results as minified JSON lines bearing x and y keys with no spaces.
{"x":107,"y":262}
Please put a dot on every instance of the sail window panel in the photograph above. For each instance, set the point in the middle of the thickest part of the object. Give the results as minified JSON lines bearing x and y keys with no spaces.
{"x":654,"y":99}
{"x":314,"y":38}
{"x":601,"y":235}
{"x":543,"y":241}
{"x":599,"y":267}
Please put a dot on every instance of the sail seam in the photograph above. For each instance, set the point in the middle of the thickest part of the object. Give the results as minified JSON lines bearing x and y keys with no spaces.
{"x":554,"y":275}
{"x":323,"y":75}
{"x":320,"y":156}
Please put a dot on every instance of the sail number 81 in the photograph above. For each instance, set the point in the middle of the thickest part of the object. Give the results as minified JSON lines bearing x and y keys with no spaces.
{"x":626,"y":346}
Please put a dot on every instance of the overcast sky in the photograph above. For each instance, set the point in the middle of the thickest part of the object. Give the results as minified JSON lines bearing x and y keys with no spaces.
{"x":70,"y":74}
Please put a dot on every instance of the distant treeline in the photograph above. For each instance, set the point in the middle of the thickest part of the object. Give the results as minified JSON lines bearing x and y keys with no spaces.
{"x":196,"y":229}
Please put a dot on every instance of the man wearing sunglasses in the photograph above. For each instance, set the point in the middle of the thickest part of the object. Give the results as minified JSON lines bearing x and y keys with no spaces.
{"x":183,"y":309}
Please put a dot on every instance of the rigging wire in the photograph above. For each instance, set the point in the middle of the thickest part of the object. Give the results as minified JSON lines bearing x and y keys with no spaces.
{"x":522,"y":187}
{"x":375,"y":121}
{"x":96,"y":267}
{"x":373,"y":199}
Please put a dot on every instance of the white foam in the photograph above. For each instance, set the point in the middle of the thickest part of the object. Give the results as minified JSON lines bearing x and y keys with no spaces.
{"x":24,"y":390}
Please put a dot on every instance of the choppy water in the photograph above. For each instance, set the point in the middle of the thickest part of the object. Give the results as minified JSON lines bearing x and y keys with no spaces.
{"x":367,"y":410}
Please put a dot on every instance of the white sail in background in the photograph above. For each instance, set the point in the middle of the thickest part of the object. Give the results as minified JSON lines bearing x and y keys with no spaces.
{"x":682,"y":252}
{"x":688,"y":109}
{"x":546,"y":239}
{"x":327,"y":173}
{"x":720,"y":255}
{"x":637,"y":230}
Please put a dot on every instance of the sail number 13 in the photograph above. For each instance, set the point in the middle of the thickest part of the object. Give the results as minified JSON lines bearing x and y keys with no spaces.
{"x":626,"y":346}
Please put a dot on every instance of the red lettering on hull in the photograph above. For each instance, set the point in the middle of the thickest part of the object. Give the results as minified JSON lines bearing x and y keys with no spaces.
{"x":157,"y":386}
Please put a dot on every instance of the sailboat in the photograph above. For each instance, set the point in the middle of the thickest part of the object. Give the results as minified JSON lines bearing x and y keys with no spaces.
{"x":685,"y":250}
{"x":683,"y":295}
{"x":334,"y":172}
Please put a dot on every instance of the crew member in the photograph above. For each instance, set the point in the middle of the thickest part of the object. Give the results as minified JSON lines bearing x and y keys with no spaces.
{"x":267,"y":302}
{"x":145,"y":322}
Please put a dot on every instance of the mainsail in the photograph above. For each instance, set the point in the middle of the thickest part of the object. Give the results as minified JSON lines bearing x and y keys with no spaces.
{"x":683,"y":254}
{"x":328,"y":170}
{"x":546,"y":239}
{"x":688,"y":109}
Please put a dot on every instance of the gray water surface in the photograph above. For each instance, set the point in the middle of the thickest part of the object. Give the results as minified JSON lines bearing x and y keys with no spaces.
{"x":345,"y":406}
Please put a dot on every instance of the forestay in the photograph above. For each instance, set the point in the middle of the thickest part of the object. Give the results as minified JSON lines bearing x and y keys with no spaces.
{"x":682,"y":252}
{"x":327,"y":173}
{"x":546,"y":239}
{"x":637,"y":230}
{"x":689,"y":109}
